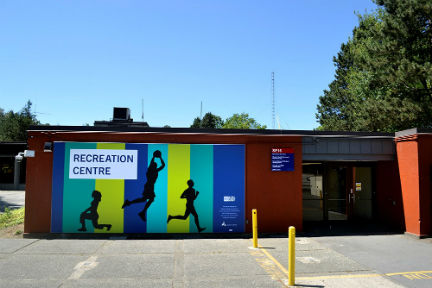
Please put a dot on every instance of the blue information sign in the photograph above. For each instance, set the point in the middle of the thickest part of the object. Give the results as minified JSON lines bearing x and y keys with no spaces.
{"x":282,"y":159}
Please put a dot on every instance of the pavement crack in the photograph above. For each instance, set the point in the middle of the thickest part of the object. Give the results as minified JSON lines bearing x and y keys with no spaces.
{"x":26,"y":245}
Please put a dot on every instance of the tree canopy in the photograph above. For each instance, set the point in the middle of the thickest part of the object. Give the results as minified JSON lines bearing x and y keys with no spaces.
{"x":236,"y":121}
{"x":383,"y":79}
{"x":14,"y":125}
{"x":209,"y":121}
{"x":242,"y":121}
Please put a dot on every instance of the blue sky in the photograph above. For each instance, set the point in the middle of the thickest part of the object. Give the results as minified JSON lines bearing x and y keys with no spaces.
{"x":76,"y":60}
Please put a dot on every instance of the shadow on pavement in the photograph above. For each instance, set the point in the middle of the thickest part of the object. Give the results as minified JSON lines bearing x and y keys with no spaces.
{"x":348,"y":229}
{"x":4,"y":204}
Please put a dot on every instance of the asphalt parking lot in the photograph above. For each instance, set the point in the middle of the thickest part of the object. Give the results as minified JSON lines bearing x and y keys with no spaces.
{"x":11,"y":199}
{"x":118,"y":262}
{"x":351,"y":260}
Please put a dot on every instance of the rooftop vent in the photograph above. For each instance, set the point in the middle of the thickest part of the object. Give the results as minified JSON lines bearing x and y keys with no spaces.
{"x":121,"y":114}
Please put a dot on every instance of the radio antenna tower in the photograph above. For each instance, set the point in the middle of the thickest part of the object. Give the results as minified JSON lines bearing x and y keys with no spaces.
{"x":273,"y":102}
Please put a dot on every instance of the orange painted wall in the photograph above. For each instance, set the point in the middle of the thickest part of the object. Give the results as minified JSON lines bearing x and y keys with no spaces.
{"x":415,"y":163}
{"x":276,"y":195}
{"x":407,"y":154}
{"x":38,"y":187}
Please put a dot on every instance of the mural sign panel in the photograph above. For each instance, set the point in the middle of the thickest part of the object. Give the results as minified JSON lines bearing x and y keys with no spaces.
{"x":147,"y":188}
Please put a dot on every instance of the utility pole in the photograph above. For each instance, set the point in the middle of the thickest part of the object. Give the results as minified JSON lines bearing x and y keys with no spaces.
{"x":142,"y":109}
{"x":201,"y":111}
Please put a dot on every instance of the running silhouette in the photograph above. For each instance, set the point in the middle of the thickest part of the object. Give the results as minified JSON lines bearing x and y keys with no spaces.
{"x":91,"y":214}
{"x":190,"y":196}
{"x":148,"y":193}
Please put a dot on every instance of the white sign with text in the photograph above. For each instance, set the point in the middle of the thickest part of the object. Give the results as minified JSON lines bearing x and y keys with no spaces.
{"x":103,"y":164}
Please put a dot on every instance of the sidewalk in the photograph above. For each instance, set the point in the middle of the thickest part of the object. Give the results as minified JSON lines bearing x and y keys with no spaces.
{"x":188,"y":263}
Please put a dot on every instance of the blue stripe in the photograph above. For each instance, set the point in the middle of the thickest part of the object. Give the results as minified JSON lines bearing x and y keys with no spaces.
{"x":57,"y":187}
{"x":133,"y":190}
{"x":158,"y":211}
{"x":229,"y":188}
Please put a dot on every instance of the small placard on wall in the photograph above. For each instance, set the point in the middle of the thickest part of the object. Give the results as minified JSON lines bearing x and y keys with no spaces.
{"x":282,"y":159}
{"x":358,"y":186}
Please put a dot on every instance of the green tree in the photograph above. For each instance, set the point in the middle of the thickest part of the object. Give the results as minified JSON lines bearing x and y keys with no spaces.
{"x":242,"y":121}
{"x":383,"y":79}
{"x":209,"y":121}
{"x":13,"y":126}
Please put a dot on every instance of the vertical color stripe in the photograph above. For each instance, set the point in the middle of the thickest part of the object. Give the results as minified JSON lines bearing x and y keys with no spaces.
{"x":133,"y":190}
{"x":57,"y":187}
{"x":201,"y":172}
{"x":76,"y":193}
{"x":178,"y":175}
{"x":157,"y":212}
{"x":109,"y":210}
{"x":229,"y":181}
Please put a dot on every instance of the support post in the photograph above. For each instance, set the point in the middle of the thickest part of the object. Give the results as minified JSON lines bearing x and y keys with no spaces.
{"x":255,"y":228}
{"x":17,"y":171}
{"x":291,"y":256}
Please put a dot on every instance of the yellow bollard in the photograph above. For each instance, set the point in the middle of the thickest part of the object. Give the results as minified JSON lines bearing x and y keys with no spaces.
{"x":291,"y":256}
{"x":255,"y":228}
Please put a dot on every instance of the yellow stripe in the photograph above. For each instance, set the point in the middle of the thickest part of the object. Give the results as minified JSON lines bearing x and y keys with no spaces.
{"x":273,"y":259}
{"x":112,"y":190}
{"x":413,"y":272}
{"x":178,"y":175}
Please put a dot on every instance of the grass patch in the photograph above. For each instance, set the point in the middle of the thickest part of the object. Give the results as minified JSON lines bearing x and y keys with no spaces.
{"x":11,"y":217}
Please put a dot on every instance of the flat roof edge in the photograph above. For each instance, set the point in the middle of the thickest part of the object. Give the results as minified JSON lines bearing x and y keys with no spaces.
{"x":413,"y":131}
{"x":209,"y":131}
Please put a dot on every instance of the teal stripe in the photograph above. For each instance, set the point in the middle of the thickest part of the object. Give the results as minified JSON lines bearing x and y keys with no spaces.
{"x":201,"y":172}
{"x":157,"y":212}
{"x":76,"y":193}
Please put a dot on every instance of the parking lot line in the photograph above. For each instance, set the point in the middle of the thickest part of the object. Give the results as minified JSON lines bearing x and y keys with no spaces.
{"x":412,"y":275}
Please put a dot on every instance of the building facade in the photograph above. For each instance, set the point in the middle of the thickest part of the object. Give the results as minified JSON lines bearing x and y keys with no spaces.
{"x":290,"y":177}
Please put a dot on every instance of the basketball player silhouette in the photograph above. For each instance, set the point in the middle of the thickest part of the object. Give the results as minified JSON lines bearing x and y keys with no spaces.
{"x":148,"y":193}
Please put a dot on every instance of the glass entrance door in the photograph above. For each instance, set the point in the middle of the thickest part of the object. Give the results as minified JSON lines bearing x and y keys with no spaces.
{"x":362,"y":199}
{"x":336,"y":193}
{"x":312,"y":186}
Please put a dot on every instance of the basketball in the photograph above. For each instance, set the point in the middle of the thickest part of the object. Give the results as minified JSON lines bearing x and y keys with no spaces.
{"x":157,"y":154}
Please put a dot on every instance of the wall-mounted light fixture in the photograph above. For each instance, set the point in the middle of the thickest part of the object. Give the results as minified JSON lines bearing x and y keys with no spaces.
{"x":29,"y":153}
{"x":48,"y":146}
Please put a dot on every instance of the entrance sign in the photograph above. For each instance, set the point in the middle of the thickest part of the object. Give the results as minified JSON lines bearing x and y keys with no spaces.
{"x":282,"y":159}
{"x":147,"y":188}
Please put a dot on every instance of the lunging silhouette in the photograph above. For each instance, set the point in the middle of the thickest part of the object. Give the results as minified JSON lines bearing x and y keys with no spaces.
{"x":190,"y":196}
{"x":91,"y":214}
{"x":148,"y":193}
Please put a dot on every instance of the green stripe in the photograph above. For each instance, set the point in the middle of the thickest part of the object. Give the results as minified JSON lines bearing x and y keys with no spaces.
{"x":76,"y":193}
